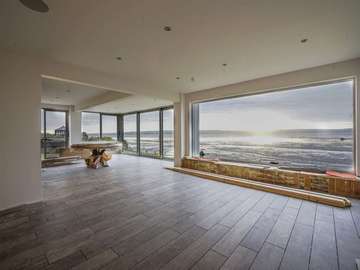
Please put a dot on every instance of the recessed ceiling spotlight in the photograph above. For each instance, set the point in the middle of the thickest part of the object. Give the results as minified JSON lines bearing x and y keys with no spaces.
{"x":224,"y":65}
{"x":119,"y":58}
{"x":304,"y":40}
{"x":35,"y":5}
{"x":167,"y":28}
{"x":178,"y":78}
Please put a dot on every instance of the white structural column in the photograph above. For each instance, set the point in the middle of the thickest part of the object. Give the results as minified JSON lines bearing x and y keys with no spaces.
{"x":75,"y":127}
{"x":179,"y":130}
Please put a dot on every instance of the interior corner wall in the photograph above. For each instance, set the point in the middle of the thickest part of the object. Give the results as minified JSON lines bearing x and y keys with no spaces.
{"x":20,"y":95}
{"x":335,"y":71}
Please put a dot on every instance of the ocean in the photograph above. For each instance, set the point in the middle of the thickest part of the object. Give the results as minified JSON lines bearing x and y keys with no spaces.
{"x":304,"y":149}
{"x":315,"y":150}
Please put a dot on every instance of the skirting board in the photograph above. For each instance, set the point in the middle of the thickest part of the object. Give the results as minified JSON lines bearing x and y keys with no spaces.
{"x":327,"y":199}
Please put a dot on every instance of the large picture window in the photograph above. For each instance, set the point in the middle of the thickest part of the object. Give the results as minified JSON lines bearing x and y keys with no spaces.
{"x":150,"y":134}
{"x":309,"y":128}
{"x":130,"y":137}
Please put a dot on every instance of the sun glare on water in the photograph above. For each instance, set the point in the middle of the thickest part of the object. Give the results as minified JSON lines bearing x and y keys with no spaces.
{"x":262,"y":139}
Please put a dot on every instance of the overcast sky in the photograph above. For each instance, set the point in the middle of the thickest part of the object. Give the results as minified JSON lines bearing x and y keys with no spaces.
{"x":326,"y":106}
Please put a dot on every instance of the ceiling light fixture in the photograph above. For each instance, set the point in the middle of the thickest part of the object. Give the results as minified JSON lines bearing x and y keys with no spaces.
{"x":304,"y":40}
{"x":178,"y":78}
{"x":167,"y":28}
{"x":36,"y":5}
{"x":119,"y":58}
{"x":224,"y":65}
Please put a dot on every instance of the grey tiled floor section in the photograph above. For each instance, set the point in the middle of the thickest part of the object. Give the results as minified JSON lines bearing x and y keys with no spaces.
{"x":137,"y":215}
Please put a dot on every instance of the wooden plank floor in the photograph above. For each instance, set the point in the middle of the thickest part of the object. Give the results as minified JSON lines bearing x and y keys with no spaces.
{"x":138,"y":215}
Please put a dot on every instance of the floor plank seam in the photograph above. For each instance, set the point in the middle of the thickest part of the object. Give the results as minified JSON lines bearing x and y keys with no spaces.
{"x":312,"y":238}
{"x":206,"y":253}
{"x":357,"y":228}
{"x":288,"y":240}
{"x":336,"y":240}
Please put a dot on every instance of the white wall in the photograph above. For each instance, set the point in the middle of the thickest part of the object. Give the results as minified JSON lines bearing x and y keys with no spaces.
{"x":334,"y":71}
{"x":20,"y":90}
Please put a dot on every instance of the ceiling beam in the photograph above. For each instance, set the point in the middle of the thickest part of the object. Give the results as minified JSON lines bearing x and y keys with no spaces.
{"x":99,"y":100}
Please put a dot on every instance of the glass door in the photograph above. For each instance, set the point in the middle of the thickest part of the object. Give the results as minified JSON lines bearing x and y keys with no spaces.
{"x":54,"y":133}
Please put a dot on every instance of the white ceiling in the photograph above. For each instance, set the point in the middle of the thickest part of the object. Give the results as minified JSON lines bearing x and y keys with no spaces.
{"x":255,"y":38}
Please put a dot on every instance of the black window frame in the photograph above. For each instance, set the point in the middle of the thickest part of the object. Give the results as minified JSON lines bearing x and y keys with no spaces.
{"x":101,"y":120}
{"x":161,"y":131}
{"x":43,"y":139}
{"x":120,"y":129}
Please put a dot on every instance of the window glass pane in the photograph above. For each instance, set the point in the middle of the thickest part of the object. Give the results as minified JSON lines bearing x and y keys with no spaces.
{"x":168,"y":125}
{"x":109,"y":128}
{"x":149,"y":134}
{"x":310,"y":128}
{"x":129,"y":133}
{"x":90,"y":126}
